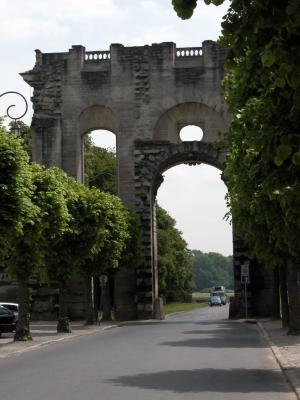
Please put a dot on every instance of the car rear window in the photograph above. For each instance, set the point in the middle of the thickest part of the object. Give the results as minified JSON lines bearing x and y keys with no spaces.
{"x":4,"y":311}
{"x":11,"y":307}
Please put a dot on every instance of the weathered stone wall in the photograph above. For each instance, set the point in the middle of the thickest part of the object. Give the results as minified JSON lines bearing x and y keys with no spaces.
{"x":145,"y":95}
{"x":151,"y":159}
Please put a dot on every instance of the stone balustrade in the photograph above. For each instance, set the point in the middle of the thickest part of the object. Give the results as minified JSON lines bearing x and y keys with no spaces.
{"x":181,"y":53}
{"x":97,"y":56}
{"x":184,"y":52}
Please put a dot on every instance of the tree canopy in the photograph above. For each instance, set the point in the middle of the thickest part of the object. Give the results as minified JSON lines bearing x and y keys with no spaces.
{"x":262,"y":89}
{"x":174,"y":262}
{"x":100,"y":167}
{"x":185,"y":8}
{"x":16,"y":187}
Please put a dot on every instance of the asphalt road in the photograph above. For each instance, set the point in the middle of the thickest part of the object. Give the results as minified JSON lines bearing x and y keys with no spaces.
{"x":198,"y":355}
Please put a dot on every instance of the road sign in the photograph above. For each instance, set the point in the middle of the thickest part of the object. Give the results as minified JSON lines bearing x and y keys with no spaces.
{"x":245,"y":279}
{"x":245,"y":269}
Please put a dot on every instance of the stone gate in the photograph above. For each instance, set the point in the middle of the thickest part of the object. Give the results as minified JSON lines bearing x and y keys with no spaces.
{"x":145,"y":95}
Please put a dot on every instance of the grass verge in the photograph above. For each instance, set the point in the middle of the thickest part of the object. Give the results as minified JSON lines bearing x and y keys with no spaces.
{"x":176,"y":307}
{"x":199,"y":295}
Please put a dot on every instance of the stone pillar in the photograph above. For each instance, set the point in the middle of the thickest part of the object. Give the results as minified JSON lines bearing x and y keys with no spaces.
{"x":237,"y":303}
{"x":145,"y":279}
{"x":262,"y":289}
{"x":72,"y":107}
{"x":46,"y":141}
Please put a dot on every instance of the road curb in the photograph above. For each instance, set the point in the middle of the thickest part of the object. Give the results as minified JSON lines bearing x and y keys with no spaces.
{"x":54,"y":340}
{"x":285,"y":366}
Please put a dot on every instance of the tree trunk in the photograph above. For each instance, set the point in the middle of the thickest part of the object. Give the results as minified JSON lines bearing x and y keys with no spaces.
{"x":276,"y":295}
{"x":293,"y":296}
{"x":89,"y":306}
{"x":285,"y":314}
{"x":63,"y":324}
{"x":23,"y":325}
{"x":105,"y":303}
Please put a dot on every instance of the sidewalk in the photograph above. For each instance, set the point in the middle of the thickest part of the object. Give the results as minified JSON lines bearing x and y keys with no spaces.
{"x":44,"y":333}
{"x":286,"y":349}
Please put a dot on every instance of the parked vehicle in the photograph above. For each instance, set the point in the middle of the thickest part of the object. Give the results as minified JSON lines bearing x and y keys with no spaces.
{"x":215,"y":301}
{"x":221,"y":294}
{"x":219,"y":289}
{"x":7,"y":320}
{"x":14,"y":307}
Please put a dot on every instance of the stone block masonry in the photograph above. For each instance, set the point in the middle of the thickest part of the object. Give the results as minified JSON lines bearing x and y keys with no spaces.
{"x":145,"y":95}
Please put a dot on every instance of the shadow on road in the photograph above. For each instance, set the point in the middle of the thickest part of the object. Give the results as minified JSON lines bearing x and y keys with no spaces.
{"x":218,"y":342}
{"x":207,"y":380}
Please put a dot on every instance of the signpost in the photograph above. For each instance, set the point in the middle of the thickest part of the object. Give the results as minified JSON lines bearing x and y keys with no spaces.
{"x":245,"y":280}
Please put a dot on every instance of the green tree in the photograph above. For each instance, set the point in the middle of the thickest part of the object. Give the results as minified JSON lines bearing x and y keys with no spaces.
{"x":101,"y":172}
{"x":23,"y":131}
{"x":112,"y":231}
{"x":95,"y":223}
{"x":16,"y":208}
{"x":262,"y":89}
{"x":100,"y":167}
{"x":31,"y":249}
{"x":173,"y":258}
{"x":174,"y":263}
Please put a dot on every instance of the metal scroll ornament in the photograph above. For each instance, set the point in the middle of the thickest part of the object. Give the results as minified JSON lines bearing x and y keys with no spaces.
{"x":8,"y":111}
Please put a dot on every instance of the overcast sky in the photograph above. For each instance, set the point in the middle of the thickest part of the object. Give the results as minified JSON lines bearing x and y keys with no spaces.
{"x":194,"y":196}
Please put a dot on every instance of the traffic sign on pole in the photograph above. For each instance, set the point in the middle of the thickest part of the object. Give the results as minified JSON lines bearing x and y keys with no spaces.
{"x":245,"y":270}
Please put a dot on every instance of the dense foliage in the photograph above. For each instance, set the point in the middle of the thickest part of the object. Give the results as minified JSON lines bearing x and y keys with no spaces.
{"x":185,"y":8}
{"x":174,"y":262}
{"x":16,"y":187}
{"x":262,"y":88}
{"x":211,"y":269}
{"x":23,"y":131}
{"x":34,"y":247}
{"x":100,"y":167}
{"x":52,"y":226}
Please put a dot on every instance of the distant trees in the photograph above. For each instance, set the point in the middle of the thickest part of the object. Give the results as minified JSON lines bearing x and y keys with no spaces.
{"x":211,"y":269}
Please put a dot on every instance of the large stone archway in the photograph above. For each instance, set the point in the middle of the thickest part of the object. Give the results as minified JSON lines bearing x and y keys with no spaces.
{"x":145,"y":95}
{"x":151,"y":159}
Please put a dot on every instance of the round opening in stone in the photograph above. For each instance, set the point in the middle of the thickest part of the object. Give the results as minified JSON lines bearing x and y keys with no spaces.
{"x":191,"y":133}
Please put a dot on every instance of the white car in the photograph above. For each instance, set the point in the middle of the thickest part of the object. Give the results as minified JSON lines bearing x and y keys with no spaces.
{"x":14,"y":307}
{"x":215,"y":301}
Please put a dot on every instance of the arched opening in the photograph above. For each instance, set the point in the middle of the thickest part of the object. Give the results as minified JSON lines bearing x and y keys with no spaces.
{"x":171,"y":121}
{"x":195,"y":198}
{"x":99,"y":160}
{"x":98,"y":130}
{"x":191,"y":133}
{"x":100,"y":171}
